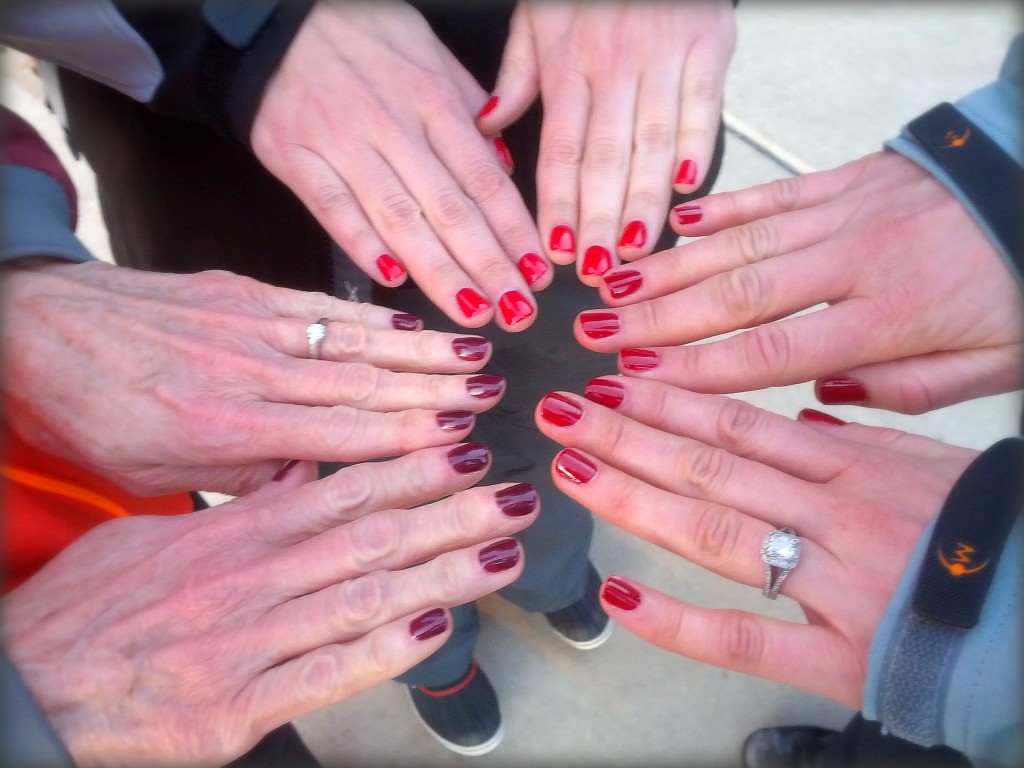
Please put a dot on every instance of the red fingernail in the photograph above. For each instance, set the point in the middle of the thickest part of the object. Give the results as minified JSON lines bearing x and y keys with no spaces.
{"x":485,"y":385}
{"x":500,"y":556}
{"x":390,"y":269}
{"x":596,"y":261}
{"x":562,"y":239}
{"x":623,"y":283}
{"x":599,"y":325}
{"x":639,"y":359}
{"x":514,"y":307}
{"x":285,"y":470}
{"x":454,"y":421}
{"x":559,"y":410}
{"x":471,"y":348}
{"x":430,"y":624}
{"x":404,"y":322}
{"x":809,"y":414}
{"x":687,"y":172}
{"x":687,"y":214}
{"x":605,"y":392}
{"x":634,"y":235}
{"x":487,"y":108}
{"x":532,"y":267}
{"x":840,"y":391}
{"x":504,"y":154}
{"x":471,"y":303}
{"x":468,"y":458}
{"x":518,"y":500}
{"x":618,"y":593}
{"x":575,"y":467}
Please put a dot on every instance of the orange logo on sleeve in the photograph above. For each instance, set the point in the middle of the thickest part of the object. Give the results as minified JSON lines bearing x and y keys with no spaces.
{"x":961,"y":564}
{"x":957,"y":141}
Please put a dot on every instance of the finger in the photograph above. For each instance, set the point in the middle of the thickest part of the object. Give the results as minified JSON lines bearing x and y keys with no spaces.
{"x":518,"y":80}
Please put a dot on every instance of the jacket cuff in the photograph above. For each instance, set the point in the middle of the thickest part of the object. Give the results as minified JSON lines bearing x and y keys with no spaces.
{"x":35,"y":216}
{"x":26,"y":738}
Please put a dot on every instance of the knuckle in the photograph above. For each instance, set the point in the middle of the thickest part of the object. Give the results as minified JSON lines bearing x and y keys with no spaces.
{"x":742,"y":292}
{"x":484,"y":182}
{"x":755,"y":240}
{"x":374,"y":538}
{"x":738,"y":426}
{"x":359,"y":599}
{"x":706,"y":468}
{"x":716,"y":533}
{"x":448,"y":581}
{"x":768,"y":348}
{"x":349,"y":339}
{"x":329,"y":197}
{"x":606,"y":155}
{"x":399,"y":212}
{"x":320,"y":674}
{"x":452,"y":209}
{"x":358,"y":383}
{"x":562,"y":151}
{"x":742,"y":641}
{"x":784,"y":193}
{"x":655,"y":138}
{"x":914,"y":394}
{"x":346,"y":492}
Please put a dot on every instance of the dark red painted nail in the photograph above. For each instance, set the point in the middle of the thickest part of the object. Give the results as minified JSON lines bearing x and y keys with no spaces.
{"x":405,"y":322}
{"x":606,"y":392}
{"x":471,"y":348}
{"x":687,"y":214}
{"x":687,"y":173}
{"x":517,"y":500}
{"x":514,"y":307}
{"x":840,"y":390}
{"x":504,"y":154}
{"x":562,"y":239}
{"x":618,"y":593}
{"x":487,"y":108}
{"x":560,"y":410}
{"x":390,"y":269}
{"x":485,"y":385}
{"x":471,"y":303}
{"x":454,"y":421}
{"x":599,"y":325}
{"x":500,"y":556}
{"x":430,"y":624}
{"x":809,"y":414}
{"x":468,"y":458}
{"x":596,"y":261}
{"x":639,"y":359}
{"x":285,"y":470}
{"x":574,"y":466}
{"x":532,"y":267}
{"x":623,"y":283}
{"x":634,"y":235}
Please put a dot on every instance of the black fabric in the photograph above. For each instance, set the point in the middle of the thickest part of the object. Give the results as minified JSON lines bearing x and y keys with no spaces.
{"x":26,"y":738}
{"x":281,"y":748}
{"x":863,"y":744}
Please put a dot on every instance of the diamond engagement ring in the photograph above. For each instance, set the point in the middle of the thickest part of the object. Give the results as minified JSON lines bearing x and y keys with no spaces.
{"x":780,"y":553}
{"x":315,"y":333}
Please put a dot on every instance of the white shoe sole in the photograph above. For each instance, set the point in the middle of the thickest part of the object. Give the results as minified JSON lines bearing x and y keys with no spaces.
{"x":478,"y":749}
{"x":594,"y":642}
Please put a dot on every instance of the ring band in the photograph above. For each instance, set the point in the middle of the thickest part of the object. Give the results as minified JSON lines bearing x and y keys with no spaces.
{"x":315,"y":333}
{"x":780,"y":553}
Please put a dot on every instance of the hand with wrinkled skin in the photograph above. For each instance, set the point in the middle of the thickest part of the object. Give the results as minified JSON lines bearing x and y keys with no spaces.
{"x":369,"y":120}
{"x":165,"y":383}
{"x":632,"y":97}
{"x":183,"y":640}
{"x":923,"y":311}
{"x":707,"y":477}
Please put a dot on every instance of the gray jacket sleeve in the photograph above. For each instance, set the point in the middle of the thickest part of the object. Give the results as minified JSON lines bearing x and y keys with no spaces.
{"x":26,"y":738}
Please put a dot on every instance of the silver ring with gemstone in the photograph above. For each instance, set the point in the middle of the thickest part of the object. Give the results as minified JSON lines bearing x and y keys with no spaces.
{"x":315,"y":333}
{"x":780,"y":553}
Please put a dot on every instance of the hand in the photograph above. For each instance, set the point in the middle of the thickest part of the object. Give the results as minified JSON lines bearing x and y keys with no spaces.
{"x":369,"y":121}
{"x":164,"y":383}
{"x":923,"y":312}
{"x":183,"y":640}
{"x":632,"y":101}
{"x":708,"y":477}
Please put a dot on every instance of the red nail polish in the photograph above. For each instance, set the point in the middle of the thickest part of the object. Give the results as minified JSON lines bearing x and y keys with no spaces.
{"x":500,"y":556}
{"x":471,"y":348}
{"x":518,"y":500}
{"x":559,"y":410}
{"x":390,"y":269}
{"x":639,"y":359}
{"x":573,"y":466}
{"x":624,"y":283}
{"x":454,"y":421}
{"x":504,"y":154}
{"x":634,"y":235}
{"x":285,"y":470}
{"x":468,"y":458}
{"x":687,"y":214}
{"x":405,"y":322}
{"x":532,"y":267}
{"x":471,"y":303}
{"x":485,"y":385}
{"x":840,"y":391}
{"x":599,"y":325}
{"x":687,"y":173}
{"x":430,"y":624}
{"x":514,"y":307}
{"x":605,"y":392}
{"x":596,"y":261}
{"x":562,"y":239}
{"x":619,"y":594}
{"x":488,"y":107}
{"x":809,"y":414}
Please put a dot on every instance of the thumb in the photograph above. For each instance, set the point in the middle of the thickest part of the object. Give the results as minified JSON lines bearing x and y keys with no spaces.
{"x":518,"y":79}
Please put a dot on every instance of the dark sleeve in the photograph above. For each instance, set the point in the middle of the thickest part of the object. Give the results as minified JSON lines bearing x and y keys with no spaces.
{"x":26,"y":738}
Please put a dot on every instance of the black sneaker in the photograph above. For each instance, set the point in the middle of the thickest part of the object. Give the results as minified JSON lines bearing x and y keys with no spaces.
{"x":789,"y":746}
{"x":584,"y":624}
{"x":463,"y":716}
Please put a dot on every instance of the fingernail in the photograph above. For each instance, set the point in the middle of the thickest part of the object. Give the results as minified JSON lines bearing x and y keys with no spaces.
{"x":605,"y":392}
{"x":559,"y":410}
{"x":639,"y":359}
{"x":618,"y":593}
{"x":562,"y":239}
{"x":687,"y":172}
{"x":623,"y":283}
{"x":430,"y":624}
{"x":405,"y":322}
{"x":454,"y":421}
{"x":809,"y":414}
{"x":517,"y":500}
{"x":488,"y":107}
{"x":596,"y":261}
{"x":471,"y":348}
{"x":504,"y":154}
{"x":500,"y":556}
{"x":514,"y":307}
{"x":468,"y":458}
{"x":532,"y":267}
{"x":573,"y":466}
{"x":485,"y":385}
{"x":687,"y":214}
{"x":634,"y":235}
{"x":389,"y":268}
{"x":599,"y":325}
{"x":840,"y":390}
{"x":471,"y":303}
{"x":285,"y":470}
